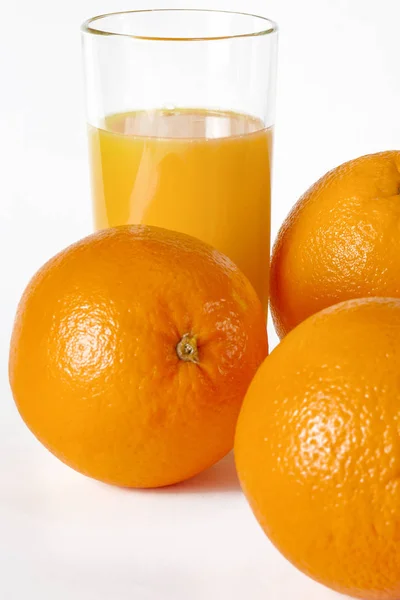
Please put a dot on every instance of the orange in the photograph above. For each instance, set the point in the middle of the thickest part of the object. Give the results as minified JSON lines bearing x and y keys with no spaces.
{"x":341,"y":241}
{"x":318,"y":447}
{"x":131,"y":353}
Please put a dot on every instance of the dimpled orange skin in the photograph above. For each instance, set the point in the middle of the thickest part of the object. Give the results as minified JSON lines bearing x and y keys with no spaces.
{"x":340,"y":241}
{"x":94,"y":367}
{"x":318,"y":447}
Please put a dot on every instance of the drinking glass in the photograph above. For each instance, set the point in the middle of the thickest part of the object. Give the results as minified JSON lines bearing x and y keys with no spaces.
{"x":180,"y":110}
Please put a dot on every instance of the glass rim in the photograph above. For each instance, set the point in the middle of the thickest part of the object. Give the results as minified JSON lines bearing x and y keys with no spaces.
{"x":89,"y":27}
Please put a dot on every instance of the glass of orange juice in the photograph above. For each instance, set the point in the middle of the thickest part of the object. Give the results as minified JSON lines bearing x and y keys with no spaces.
{"x":180,"y":107}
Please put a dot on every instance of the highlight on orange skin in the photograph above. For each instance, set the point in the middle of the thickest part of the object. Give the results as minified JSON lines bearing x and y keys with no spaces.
{"x":317,"y":447}
{"x":97,"y":357}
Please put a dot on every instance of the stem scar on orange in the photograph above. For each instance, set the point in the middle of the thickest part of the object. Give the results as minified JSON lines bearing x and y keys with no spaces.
{"x":340,"y":241}
{"x":131,"y":353}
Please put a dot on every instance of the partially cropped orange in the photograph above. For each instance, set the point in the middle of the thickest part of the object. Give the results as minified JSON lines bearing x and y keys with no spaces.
{"x":131,"y":353}
{"x":318,"y":447}
{"x":341,"y":241}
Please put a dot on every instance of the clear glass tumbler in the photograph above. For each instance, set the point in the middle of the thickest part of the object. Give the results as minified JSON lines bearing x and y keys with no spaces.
{"x":180,"y":107}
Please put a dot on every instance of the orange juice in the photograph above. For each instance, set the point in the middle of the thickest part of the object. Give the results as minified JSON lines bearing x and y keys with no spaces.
{"x":205,"y":173}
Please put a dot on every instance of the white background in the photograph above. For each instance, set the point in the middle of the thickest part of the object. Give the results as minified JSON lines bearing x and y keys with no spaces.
{"x":63,"y":536}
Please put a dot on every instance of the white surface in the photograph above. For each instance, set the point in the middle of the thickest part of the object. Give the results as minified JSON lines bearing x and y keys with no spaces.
{"x":63,"y":536}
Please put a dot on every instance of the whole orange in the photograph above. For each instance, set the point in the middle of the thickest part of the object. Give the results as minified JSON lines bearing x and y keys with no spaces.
{"x":318,"y":447}
{"x":131,"y":353}
{"x":340,"y":241}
